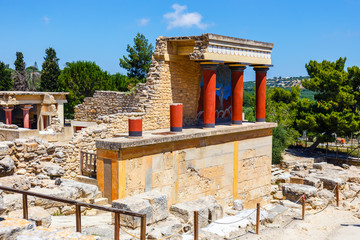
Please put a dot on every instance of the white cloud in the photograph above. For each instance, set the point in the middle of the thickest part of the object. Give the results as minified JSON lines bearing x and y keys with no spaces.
{"x":143,"y":21}
{"x":46,"y":19}
{"x":181,"y":18}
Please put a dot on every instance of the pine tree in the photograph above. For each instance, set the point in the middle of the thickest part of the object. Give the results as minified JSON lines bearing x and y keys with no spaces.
{"x":50,"y":72}
{"x":336,"y":105}
{"x":20,"y":76}
{"x":139,"y":59}
{"x":5,"y":77}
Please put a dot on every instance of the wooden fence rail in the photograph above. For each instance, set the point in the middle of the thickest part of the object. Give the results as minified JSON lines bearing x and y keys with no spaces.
{"x":88,"y":164}
{"x":78,"y":206}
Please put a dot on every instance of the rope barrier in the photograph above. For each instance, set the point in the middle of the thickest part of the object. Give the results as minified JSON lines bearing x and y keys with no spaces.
{"x":229,"y":222}
{"x":327,"y":205}
{"x":158,"y":238}
{"x":355,"y":196}
{"x":299,"y":199}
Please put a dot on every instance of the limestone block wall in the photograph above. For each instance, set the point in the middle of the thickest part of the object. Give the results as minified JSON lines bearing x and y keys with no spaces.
{"x":185,"y":85}
{"x":232,"y":166}
{"x":167,"y":82}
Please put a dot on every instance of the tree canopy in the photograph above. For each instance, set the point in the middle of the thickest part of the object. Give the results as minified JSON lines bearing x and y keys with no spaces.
{"x":336,"y":105}
{"x":138,"y":61}
{"x":5,"y":77}
{"x":81,"y":79}
{"x":50,"y":71}
{"x":20,"y":75}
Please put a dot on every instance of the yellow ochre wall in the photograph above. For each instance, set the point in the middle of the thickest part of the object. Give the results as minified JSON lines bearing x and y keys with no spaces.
{"x":231,"y":166}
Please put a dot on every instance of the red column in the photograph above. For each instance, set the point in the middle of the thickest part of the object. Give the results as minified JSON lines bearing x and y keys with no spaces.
{"x":209,"y":91}
{"x":260,"y":93}
{"x":26,"y":110}
{"x":237,"y":86}
{"x":135,"y":127}
{"x":176,"y":117}
{"x":8,"y":114}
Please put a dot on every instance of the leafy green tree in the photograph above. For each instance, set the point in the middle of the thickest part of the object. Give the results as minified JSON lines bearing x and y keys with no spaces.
{"x":81,"y":79}
{"x":336,"y":105}
{"x":123,"y":83}
{"x":20,"y":76}
{"x":138,"y":61}
{"x":5,"y":77}
{"x":50,"y":71}
{"x":281,"y":107}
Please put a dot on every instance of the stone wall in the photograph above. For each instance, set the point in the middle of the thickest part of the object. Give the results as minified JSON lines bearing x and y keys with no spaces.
{"x":167,"y":81}
{"x":34,"y":156}
{"x":233,"y":166}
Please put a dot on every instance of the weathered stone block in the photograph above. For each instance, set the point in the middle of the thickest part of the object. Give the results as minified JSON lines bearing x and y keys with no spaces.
{"x":6,"y":166}
{"x":330,"y":183}
{"x":311,"y":181}
{"x":11,"y":227}
{"x":18,"y":182}
{"x":158,"y":203}
{"x":207,"y":207}
{"x":134,"y":204}
{"x":294,"y":191}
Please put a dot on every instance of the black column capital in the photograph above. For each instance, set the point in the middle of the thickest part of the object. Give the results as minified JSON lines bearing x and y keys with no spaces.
{"x":261,"y":68}
{"x":237,"y":68}
{"x":210,"y":65}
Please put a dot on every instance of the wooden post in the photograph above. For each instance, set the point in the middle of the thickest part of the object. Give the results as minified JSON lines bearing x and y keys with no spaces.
{"x":143,"y":228}
{"x":117,"y":226}
{"x":78,"y":218}
{"x":303,"y":206}
{"x":25,"y":207}
{"x":257,"y":217}
{"x":81,"y":162}
{"x":337,"y":195}
{"x":196,"y":225}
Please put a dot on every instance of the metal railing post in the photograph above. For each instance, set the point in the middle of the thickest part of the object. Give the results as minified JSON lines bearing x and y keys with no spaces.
{"x":303,"y":207}
{"x":117,"y":226}
{"x":337,"y":195}
{"x":25,"y":206}
{"x":196,"y":225}
{"x":257,"y":217}
{"x":143,"y":228}
{"x":78,"y":218}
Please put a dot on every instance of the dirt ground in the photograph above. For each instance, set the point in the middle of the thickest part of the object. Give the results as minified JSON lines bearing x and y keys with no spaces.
{"x":331,"y":224}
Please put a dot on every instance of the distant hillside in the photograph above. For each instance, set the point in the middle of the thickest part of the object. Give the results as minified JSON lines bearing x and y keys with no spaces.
{"x":286,"y":83}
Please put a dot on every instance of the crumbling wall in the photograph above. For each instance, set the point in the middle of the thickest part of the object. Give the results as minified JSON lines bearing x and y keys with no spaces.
{"x":167,"y":81}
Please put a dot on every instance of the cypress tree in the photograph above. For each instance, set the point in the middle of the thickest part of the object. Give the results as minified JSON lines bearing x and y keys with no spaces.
{"x":50,"y":72}
{"x":20,"y":75}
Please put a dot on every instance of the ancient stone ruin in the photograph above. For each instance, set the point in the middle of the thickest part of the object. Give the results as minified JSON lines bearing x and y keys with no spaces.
{"x":174,"y":145}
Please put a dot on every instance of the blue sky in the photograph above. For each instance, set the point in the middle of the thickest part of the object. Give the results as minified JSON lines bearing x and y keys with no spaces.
{"x":99,"y":31}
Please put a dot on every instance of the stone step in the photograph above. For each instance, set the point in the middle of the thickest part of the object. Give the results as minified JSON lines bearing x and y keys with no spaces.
{"x":87,"y":180}
{"x":101,"y":201}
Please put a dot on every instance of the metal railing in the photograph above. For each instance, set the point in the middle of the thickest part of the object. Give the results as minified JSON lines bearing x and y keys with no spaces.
{"x":88,"y":164}
{"x":78,"y":206}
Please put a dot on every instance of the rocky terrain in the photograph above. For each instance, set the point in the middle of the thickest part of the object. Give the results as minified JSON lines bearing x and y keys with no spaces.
{"x":296,"y":177}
